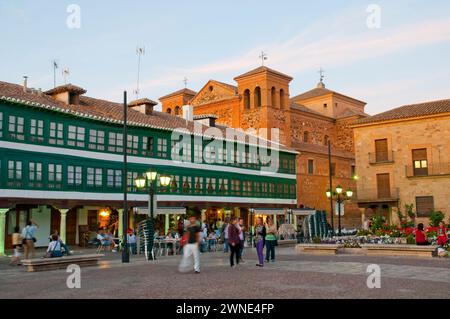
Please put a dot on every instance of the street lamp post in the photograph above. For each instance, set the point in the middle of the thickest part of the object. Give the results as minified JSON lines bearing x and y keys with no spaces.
{"x":340,"y":197}
{"x":149,"y":181}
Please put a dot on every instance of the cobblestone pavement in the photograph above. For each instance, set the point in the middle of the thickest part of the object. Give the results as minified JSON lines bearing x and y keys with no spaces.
{"x":291,"y":276}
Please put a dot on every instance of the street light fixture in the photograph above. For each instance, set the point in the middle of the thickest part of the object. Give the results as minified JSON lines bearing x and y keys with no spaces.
{"x":149,"y":181}
{"x":340,"y":198}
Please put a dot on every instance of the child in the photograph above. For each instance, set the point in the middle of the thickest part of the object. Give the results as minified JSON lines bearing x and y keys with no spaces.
{"x":212,"y":241}
{"x":17,"y":244}
{"x":442,"y":234}
{"x":131,"y":240}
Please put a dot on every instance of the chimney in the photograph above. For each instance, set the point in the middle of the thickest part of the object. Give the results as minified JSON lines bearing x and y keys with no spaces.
{"x":188,"y":112}
{"x":206,"y":119}
{"x":144,"y":106}
{"x":68,"y":93}
{"x":25,"y":83}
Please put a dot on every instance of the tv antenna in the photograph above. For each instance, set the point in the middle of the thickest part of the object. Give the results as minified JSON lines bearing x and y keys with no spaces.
{"x":263,"y":57}
{"x":55,"y":66}
{"x":139,"y":51}
{"x":65,"y":73}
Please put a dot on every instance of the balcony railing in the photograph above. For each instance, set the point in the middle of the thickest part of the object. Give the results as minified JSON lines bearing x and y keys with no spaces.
{"x":376,"y":195}
{"x":381,"y":157}
{"x":432,"y":169}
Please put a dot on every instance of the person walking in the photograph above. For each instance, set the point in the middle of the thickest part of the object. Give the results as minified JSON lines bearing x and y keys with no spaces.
{"x":224,"y":234}
{"x":28,"y":235}
{"x":271,"y":238}
{"x":234,"y":241}
{"x":241,"y":228}
{"x":191,"y":247}
{"x":260,"y":235}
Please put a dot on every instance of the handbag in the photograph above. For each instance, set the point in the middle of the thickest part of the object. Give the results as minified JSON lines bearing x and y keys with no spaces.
{"x":184,"y":239}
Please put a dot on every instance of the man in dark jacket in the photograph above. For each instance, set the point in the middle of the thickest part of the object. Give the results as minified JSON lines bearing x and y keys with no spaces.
{"x":234,"y":241}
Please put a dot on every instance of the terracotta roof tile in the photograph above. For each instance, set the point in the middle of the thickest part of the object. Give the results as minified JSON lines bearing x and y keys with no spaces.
{"x":142,"y":101}
{"x":319,"y":91}
{"x":262,"y":69}
{"x":182,"y":91}
{"x":409,"y":111}
{"x":66,"y":88}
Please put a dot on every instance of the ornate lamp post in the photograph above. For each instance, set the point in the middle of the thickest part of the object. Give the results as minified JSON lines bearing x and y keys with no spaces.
{"x":338,"y":195}
{"x":149,"y":181}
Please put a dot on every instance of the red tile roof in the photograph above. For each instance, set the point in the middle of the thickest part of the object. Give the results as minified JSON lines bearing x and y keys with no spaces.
{"x":142,"y":101}
{"x":66,"y":88}
{"x":100,"y":110}
{"x":319,"y":91}
{"x":263,"y":69}
{"x":185,"y":91}
{"x":409,"y":111}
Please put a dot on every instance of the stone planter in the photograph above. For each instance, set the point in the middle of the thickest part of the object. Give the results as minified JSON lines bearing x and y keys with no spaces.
{"x":351,"y":251}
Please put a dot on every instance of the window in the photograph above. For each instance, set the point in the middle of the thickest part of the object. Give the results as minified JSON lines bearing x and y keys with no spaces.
{"x":236,"y":186}
{"x":16,"y":124}
{"x":247,"y":187}
{"x":273,"y":96}
{"x":325,"y":105}
{"x":306,"y":137}
{"x":257,"y":94}
{"x":131,"y":177}
{"x":54,"y":175}
{"x":420,"y":162}
{"x":353,"y":171}
{"x":97,"y":140}
{"x":425,"y":205}
{"x":37,"y":130}
{"x":133,"y":144}
{"x":115,"y":143}
{"x":381,"y":150}
{"x":56,"y":133}
{"x":383,"y":185}
{"x":35,"y":174}
{"x":282,"y":98}
{"x":264,"y":188}
{"x":75,"y":136}
{"x":186,"y":184}
{"x":177,"y":110}
{"x":198,"y":153}
{"x":174,"y":184}
{"x":247,"y":99}
{"x":223,"y":185}
{"x":292,"y":189}
{"x":169,"y":110}
{"x":198,"y":184}
{"x":147,"y":146}
{"x":114,"y":178}
{"x":257,"y":188}
{"x":94,"y":177}
{"x":162,"y":147}
{"x":15,"y":170}
{"x":210,"y":184}
{"x":310,"y":166}
{"x":74,"y":175}
{"x":1,"y":124}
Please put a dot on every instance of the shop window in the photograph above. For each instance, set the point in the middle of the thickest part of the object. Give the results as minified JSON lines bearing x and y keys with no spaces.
{"x":37,"y":130}
{"x":56,"y":133}
{"x":96,"y":140}
{"x":16,"y":128}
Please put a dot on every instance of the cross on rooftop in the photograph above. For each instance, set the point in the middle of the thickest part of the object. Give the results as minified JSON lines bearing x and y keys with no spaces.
{"x":263,"y":57}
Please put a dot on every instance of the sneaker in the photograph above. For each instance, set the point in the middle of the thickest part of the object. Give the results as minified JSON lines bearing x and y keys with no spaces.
{"x":259,"y":265}
{"x":197,"y":272}
{"x":273,"y":260}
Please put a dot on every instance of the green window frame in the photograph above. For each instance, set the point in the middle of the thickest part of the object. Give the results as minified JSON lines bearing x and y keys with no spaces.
{"x":74,"y":175}
{"x":115,"y":142}
{"x":148,"y":146}
{"x":55,"y":176}
{"x":162,"y":147}
{"x":16,"y":127}
{"x":114,"y":178}
{"x":56,"y":135}
{"x":187,"y":184}
{"x":94,"y":177}
{"x":131,"y":177}
{"x":76,"y":135}
{"x":198,"y":153}
{"x":15,"y":173}
{"x":211,"y":185}
{"x":223,"y":185}
{"x":37,"y":130}
{"x":236,"y":187}
{"x":175,"y":184}
{"x":96,"y":140}
{"x":198,"y":184}
{"x":35,"y":174}
{"x":133,"y":144}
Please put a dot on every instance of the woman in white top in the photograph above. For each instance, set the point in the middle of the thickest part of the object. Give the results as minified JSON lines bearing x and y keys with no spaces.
{"x":54,"y":248}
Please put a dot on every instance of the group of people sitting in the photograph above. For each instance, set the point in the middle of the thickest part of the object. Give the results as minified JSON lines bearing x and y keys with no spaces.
{"x":422,"y":239}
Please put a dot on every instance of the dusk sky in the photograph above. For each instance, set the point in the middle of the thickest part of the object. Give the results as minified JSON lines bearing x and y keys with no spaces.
{"x":406,"y":60}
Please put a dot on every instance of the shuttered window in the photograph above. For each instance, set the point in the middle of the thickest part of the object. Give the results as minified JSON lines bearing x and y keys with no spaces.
{"x":381,"y":150}
{"x":424,"y":205}
{"x":383,"y":186}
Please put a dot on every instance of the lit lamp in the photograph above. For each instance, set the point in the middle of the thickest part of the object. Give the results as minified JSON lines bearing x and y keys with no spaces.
{"x":165,"y":180}
{"x":340,"y":198}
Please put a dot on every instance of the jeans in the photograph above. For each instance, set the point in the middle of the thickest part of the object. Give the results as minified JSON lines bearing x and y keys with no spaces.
{"x":188,"y":251}
{"x":270,"y":250}
{"x":234,"y":251}
{"x":226,"y":246}
{"x":241,"y":249}
{"x":260,"y":251}
{"x":132,"y":248}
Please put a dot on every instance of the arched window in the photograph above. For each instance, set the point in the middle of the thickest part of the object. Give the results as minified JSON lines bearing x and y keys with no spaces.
{"x":257,"y":94}
{"x":169,"y":110}
{"x":273,"y":96}
{"x":325,"y":140}
{"x":177,"y":110}
{"x":306,"y":136}
{"x":247,"y":99}
{"x":281,"y":99}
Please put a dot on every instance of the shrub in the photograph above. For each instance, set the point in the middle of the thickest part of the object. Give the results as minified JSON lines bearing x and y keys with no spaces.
{"x":317,"y":240}
{"x":410,"y":239}
{"x":436,"y":217}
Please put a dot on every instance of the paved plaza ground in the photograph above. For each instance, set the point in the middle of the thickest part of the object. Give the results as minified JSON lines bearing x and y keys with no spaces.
{"x":291,"y":276}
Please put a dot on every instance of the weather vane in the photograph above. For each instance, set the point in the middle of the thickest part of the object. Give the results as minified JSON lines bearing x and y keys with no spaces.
{"x":263,"y":57}
{"x":321,"y":73}
{"x":65,"y":73}
{"x":185,"y":81}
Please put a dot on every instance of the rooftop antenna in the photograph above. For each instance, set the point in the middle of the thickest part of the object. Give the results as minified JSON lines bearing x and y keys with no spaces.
{"x":55,"y":66}
{"x":185,"y":81}
{"x":65,"y":73}
{"x":263,"y":57}
{"x":139,"y":51}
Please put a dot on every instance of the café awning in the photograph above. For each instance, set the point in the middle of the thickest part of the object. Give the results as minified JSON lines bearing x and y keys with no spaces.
{"x":162,"y":210}
{"x":269,"y":211}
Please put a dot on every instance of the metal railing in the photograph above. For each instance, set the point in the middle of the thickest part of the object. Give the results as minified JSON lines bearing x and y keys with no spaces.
{"x":381,"y":157}
{"x":375,"y":194}
{"x":432,"y":169}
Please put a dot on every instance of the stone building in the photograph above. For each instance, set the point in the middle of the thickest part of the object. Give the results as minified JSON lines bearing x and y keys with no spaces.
{"x":306,"y":122}
{"x":405,"y":155}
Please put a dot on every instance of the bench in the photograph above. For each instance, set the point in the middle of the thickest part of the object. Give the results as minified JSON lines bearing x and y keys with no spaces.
{"x":42,"y":264}
{"x":317,"y":249}
{"x":398,"y":250}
